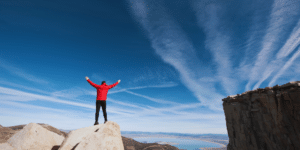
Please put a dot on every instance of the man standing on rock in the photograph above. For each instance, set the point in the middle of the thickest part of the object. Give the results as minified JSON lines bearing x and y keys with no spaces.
{"x":101,"y":97}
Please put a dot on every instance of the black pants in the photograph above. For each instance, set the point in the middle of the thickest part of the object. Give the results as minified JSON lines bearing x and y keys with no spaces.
{"x":98,"y":104}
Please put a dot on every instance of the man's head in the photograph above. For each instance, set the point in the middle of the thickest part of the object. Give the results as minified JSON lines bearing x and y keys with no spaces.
{"x":103,"y":82}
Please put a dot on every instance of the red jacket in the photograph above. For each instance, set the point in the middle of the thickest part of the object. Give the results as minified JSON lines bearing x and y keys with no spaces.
{"x":102,"y":89}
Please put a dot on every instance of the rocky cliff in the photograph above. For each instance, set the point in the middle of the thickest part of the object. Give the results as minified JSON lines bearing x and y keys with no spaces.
{"x":264,"y":119}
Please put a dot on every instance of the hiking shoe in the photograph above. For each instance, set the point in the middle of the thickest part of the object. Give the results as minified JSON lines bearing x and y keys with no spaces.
{"x":96,"y":123}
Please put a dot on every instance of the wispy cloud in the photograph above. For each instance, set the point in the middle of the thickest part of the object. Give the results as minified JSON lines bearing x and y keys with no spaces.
{"x":124,"y":104}
{"x":27,"y":106}
{"x":291,"y":44}
{"x":23,"y":87}
{"x":254,"y":37}
{"x":285,"y":67}
{"x":283,"y":14}
{"x":140,"y":113}
{"x":171,"y":44}
{"x":62,"y":120}
{"x":282,"y":62}
{"x":208,"y":17}
{"x":21,"y":73}
{"x":30,"y":96}
{"x":155,"y":75}
{"x":165,"y":85}
{"x":71,"y":93}
{"x":66,"y":93}
{"x":152,"y":99}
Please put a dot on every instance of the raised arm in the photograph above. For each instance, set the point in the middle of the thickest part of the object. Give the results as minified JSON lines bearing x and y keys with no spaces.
{"x":113,"y":85}
{"x":93,"y":84}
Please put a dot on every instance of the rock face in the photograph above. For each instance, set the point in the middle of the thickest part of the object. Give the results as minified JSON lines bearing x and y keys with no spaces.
{"x":103,"y":136}
{"x":33,"y":137}
{"x":264,"y":119}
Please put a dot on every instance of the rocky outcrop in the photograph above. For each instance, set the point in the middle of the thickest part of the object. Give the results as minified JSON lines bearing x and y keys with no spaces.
{"x":264,"y":119}
{"x":103,"y":136}
{"x":128,"y":143}
{"x":33,"y":137}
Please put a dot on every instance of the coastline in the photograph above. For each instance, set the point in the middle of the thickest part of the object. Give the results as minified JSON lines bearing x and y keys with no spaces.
{"x":199,"y":139}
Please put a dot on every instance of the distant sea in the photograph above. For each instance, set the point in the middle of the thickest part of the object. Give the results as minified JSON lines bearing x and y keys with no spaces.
{"x":180,"y":143}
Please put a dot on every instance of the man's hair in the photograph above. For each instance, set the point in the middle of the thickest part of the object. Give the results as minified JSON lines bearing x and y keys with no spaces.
{"x":103,"y":82}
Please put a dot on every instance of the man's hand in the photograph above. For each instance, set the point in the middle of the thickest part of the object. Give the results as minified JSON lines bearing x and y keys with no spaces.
{"x":86,"y":78}
{"x":119,"y":81}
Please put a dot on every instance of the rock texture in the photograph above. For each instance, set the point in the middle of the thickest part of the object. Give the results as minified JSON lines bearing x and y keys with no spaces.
{"x":264,"y":119}
{"x":33,"y":137}
{"x":103,"y":136}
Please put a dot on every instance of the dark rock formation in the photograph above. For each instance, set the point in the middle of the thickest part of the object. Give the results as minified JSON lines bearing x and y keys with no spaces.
{"x":264,"y":119}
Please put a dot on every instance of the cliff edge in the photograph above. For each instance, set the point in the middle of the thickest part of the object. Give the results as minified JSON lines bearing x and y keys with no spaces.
{"x":264,"y":119}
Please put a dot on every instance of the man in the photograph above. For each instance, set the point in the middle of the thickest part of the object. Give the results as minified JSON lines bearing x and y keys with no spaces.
{"x":101,"y":97}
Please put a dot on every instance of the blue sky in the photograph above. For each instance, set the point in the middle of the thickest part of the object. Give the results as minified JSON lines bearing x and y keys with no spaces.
{"x":176,"y":60}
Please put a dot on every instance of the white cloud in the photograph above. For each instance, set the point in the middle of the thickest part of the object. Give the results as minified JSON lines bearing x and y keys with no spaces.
{"x":71,"y":93}
{"x":152,"y":99}
{"x":291,"y":44}
{"x":171,"y":44}
{"x":285,"y":67}
{"x":164,"y":85}
{"x":283,"y":14}
{"x":27,"y":95}
{"x":27,"y":106}
{"x":124,"y":104}
{"x":71,"y":119}
{"x":21,"y":73}
{"x":23,"y":87}
{"x":208,"y":17}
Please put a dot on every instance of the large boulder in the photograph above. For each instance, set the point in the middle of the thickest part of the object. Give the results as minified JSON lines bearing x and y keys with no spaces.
{"x":103,"y":136}
{"x":34,"y":137}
